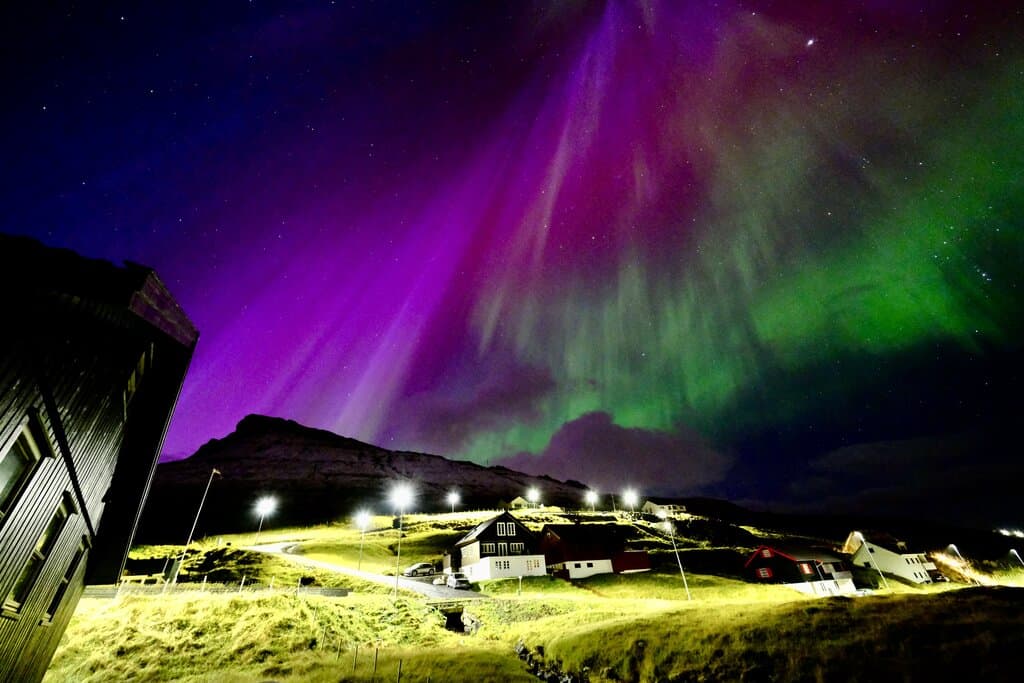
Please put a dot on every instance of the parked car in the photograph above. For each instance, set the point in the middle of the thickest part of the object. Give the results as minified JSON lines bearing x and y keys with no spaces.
{"x":419,"y":569}
{"x":457,"y":580}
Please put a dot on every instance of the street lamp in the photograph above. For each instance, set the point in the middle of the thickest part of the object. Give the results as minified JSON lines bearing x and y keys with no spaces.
{"x":533,"y":495}
{"x":874,"y":561}
{"x":670,"y":527}
{"x":401,"y":498}
{"x":591,"y":497}
{"x":964,"y":563}
{"x":264,"y":506}
{"x":363,"y":518}
{"x":453,"y":499}
{"x":1017,"y":555}
{"x":177,"y":567}
{"x":630,"y":498}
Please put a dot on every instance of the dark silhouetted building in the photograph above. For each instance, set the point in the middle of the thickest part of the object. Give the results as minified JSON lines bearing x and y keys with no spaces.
{"x":92,"y":358}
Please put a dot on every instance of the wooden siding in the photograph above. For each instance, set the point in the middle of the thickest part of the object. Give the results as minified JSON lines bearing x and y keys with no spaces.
{"x":65,"y":363}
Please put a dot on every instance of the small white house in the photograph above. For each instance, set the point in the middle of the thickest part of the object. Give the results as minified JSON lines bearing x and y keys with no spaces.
{"x":878,"y":551}
{"x":519,"y":503}
{"x":662,"y":507}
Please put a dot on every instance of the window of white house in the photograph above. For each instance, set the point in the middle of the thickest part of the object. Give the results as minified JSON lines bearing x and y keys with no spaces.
{"x":487,"y":547}
{"x":44,"y":547}
{"x":18,"y":461}
{"x":590,"y":564}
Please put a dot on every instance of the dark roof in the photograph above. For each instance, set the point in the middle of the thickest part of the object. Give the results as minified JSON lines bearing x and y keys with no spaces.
{"x":120,"y":294}
{"x":483,"y":526}
{"x":886,"y":540}
{"x":798,"y":553}
{"x":599,"y":539}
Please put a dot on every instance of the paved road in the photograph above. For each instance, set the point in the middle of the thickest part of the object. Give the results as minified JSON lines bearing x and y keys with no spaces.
{"x":423,"y":585}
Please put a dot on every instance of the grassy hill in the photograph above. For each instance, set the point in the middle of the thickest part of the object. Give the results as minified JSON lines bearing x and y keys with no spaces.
{"x":638,"y":627}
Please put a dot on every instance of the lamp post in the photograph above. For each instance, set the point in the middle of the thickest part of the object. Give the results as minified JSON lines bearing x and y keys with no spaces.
{"x":177,"y":567}
{"x":670,"y":527}
{"x":264,"y":506}
{"x":363,"y":522}
{"x":591,"y":497}
{"x":401,"y":497}
{"x":964,"y":563}
{"x":630,"y":498}
{"x":1017,"y":555}
{"x":874,"y":561}
{"x":453,"y":499}
{"x":533,"y":495}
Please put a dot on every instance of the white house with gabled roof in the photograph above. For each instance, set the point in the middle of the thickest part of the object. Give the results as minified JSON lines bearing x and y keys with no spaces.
{"x":501,"y":547}
{"x":879,"y":551}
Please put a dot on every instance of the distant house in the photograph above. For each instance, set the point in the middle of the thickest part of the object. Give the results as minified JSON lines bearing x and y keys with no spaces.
{"x":576,"y":551}
{"x":501,"y":547}
{"x":809,"y":570}
{"x":874,"y":550}
{"x":519,"y":503}
{"x":92,"y":358}
{"x":662,"y":507}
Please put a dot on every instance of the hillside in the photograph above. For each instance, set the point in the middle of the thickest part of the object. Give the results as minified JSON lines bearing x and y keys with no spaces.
{"x":317,"y":476}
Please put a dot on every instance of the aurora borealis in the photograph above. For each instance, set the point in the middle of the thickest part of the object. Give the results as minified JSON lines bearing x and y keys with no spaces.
{"x":769,"y":251}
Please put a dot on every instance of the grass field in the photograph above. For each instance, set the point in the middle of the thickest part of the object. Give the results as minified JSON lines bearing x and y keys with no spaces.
{"x":636,"y":627}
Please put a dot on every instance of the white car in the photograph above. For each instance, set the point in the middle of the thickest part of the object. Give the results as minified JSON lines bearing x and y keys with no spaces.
{"x":457,"y":580}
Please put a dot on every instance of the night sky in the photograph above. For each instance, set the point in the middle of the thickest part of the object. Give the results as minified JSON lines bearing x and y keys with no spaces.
{"x":767,"y":251}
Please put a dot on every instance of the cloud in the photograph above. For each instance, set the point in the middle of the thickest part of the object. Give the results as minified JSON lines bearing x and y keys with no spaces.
{"x":510,"y":395}
{"x":966,"y":478}
{"x":594,"y":450}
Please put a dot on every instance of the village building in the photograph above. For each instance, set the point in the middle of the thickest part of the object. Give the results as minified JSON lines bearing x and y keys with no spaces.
{"x":809,"y":570}
{"x":519,"y":503}
{"x":576,"y":551}
{"x":663,"y":507}
{"x":501,"y":547}
{"x":91,"y":362}
{"x":882,"y":552}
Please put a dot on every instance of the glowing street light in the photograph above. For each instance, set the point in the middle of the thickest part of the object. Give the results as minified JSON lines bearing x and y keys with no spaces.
{"x":591,"y":498}
{"x":453,"y":499}
{"x":401,"y":498}
{"x":670,"y":527}
{"x":533,"y":495}
{"x":1017,"y":555}
{"x":630,"y":498}
{"x":363,"y":519}
{"x":964,"y":564}
{"x":265,"y":506}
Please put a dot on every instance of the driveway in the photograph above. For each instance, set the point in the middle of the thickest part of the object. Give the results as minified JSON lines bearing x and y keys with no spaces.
{"x":421,"y":585}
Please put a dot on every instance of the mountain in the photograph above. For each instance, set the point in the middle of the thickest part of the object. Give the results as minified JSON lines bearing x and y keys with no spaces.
{"x":317,"y":476}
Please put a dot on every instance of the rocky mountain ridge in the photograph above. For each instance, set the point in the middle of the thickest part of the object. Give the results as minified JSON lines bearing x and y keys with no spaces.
{"x":318,"y":476}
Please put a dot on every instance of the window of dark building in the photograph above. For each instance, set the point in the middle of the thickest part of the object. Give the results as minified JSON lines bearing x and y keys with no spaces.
{"x":805,"y":568}
{"x":766,"y":553}
{"x":487,"y":547}
{"x":58,"y":596}
{"x":517,"y":548}
{"x":18,"y":462}
{"x":37,"y":559}
{"x":764,"y":573}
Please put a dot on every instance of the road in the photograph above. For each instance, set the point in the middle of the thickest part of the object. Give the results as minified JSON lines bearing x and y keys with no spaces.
{"x":423,"y":585}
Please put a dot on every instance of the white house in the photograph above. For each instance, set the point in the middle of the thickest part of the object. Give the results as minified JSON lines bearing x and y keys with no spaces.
{"x":519,"y":503}
{"x":882,"y":552}
{"x":499,"y":548}
{"x":662,"y":507}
